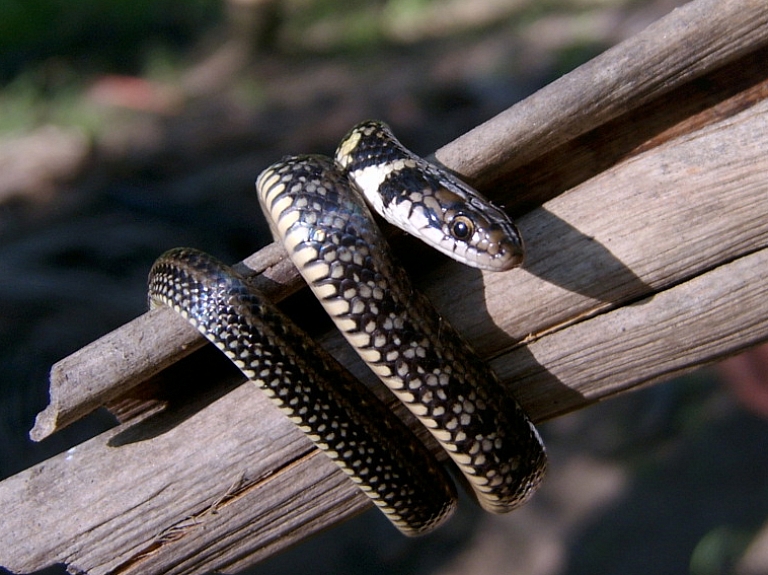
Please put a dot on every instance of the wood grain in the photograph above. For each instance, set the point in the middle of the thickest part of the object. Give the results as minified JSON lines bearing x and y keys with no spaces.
{"x":636,"y":270}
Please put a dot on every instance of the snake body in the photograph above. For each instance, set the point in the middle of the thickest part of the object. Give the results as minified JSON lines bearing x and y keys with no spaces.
{"x":315,"y":207}
{"x":330,"y":236}
{"x":344,"y":419}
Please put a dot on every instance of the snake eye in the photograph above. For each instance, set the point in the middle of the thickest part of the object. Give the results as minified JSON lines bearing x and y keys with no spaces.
{"x":462,"y":228}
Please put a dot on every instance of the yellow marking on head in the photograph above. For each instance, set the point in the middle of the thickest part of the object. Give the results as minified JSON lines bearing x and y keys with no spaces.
{"x":345,"y":149}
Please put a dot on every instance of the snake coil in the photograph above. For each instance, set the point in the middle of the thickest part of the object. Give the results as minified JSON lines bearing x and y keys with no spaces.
{"x":315,"y":208}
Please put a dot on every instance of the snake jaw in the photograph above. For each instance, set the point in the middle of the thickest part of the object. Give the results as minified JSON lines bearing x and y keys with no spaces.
{"x":502,"y":248}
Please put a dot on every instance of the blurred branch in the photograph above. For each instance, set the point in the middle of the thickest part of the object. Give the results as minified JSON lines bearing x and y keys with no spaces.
{"x":647,"y":259}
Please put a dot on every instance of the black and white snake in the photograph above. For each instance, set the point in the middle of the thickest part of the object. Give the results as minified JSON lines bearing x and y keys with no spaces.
{"x":315,"y":208}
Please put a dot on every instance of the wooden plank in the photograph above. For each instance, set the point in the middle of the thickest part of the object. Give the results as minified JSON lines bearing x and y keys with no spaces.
{"x":643,"y":270}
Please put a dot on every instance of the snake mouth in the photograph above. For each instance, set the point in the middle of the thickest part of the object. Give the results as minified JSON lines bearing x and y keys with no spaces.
{"x":513,"y":255}
{"x":512,"y":260}
{"x":499,"y":249}
{"x":501,"y":263}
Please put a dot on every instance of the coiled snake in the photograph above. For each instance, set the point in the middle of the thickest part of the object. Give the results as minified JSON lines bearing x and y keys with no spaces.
{"x":315,"y":208}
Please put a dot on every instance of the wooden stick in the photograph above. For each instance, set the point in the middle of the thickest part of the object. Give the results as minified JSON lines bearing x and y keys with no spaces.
{"x":645,"y":269}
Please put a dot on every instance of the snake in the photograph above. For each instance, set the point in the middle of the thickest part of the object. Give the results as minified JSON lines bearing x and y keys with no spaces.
{"x":316,"y":206}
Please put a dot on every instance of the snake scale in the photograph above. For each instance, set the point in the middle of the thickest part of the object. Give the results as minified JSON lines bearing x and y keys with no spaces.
{"x":315,"y":206}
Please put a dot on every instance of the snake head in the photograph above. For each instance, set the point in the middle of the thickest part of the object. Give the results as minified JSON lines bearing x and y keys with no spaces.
{"x":474,"y":231}
{"x":428,"y":201}
{"x":456,"y":220}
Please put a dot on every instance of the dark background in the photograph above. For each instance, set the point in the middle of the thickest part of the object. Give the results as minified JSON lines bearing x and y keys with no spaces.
{"x":127,"y":128}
